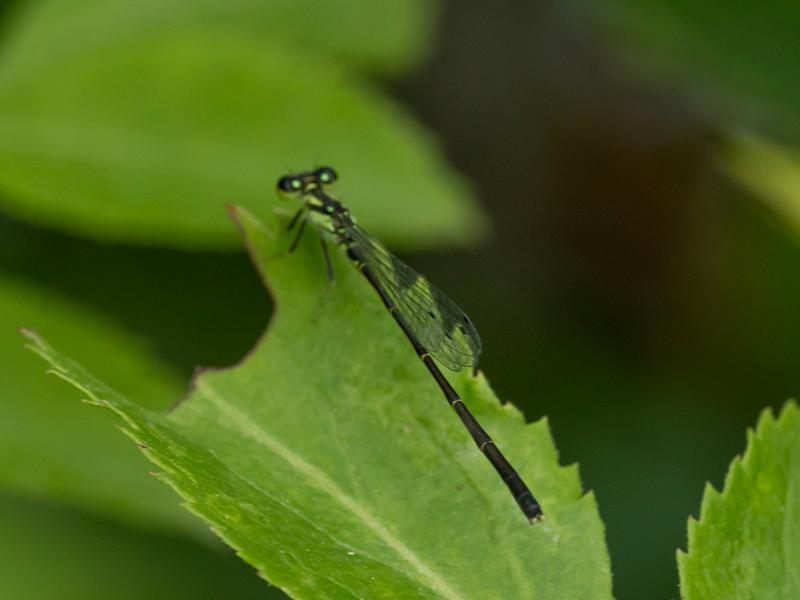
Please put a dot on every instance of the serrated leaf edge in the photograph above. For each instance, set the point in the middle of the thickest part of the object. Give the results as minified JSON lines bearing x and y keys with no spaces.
{"x":713,"y":498}
{"x":198,"y":383}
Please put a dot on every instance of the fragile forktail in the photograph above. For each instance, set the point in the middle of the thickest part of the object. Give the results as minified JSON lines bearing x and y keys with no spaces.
{"x":432,"y":322}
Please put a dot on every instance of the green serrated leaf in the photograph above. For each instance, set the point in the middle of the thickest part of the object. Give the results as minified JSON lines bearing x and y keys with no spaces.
{"x":47,"y":551}
{"x":385,"y":36}
{"x":54,"y":448}
{"x":746,"y":543}
{"x":148,"y":140}
{"x":329,"y":460}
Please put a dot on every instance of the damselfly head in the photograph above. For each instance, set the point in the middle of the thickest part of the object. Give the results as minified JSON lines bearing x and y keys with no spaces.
{"x":300,"y":183}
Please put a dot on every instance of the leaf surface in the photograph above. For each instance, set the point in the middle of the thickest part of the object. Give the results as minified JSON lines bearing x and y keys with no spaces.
{"x":329,"y":460}
{"x":381,"y":36}
{"x":746,"y":543}
{"x":145,"y":142}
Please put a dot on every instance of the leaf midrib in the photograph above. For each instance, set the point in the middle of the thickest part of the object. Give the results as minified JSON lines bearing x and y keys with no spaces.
{"x":421,"y":571}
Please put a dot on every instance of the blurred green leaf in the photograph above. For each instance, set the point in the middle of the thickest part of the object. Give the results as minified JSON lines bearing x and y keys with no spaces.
{"x":768,"y":170}
{"x":52,"y":446}
{"x":49,"y":552}
{"x":382,"y":36}
{"x":329,"y":460}
{"x":146,"y":142}
{"x":747,"y":541}
{"x":748,"y":48}
{"x":743,"y":56}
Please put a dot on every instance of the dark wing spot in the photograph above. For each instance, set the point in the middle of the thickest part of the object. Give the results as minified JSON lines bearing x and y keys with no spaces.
{"x":466,"y":319}
{"x":433,"y":316}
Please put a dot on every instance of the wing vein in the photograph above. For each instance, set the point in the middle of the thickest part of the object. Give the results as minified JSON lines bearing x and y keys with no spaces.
{"x":437,"y":322}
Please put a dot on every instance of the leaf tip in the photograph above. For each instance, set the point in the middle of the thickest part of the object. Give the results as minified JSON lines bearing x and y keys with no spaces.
{"x":789,"y":411}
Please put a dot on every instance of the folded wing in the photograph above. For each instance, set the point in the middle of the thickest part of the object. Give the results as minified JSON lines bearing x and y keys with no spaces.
{"x":437,"y":322}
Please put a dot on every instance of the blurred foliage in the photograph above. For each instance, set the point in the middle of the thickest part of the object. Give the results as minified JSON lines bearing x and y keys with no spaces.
{"x":384,"y":38}
{"x":746,"y":543}
{"x":740,"y":58}
{"x":739,"y":49}
{"x":769,"y":170}
{"x":49,"y":552}
{"x":144,"y":137}
{"x":352,"y":498}
{"x":737,"y":64}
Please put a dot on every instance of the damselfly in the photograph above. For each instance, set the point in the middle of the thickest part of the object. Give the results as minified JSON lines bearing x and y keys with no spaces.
{"x":432,"y":322}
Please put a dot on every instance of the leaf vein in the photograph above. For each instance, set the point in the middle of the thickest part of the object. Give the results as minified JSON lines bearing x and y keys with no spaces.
{"x":424,"y":573}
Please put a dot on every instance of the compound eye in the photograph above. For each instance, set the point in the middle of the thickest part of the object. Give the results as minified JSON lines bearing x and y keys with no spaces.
{"x":326,"y":175}
{"x":290,"y":183}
